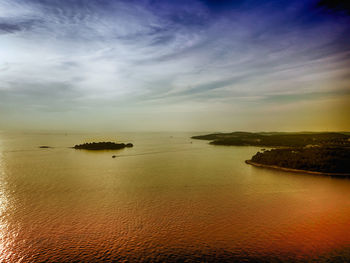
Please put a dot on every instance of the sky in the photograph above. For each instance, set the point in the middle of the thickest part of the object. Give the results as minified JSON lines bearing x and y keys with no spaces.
{"x":162,"y":65}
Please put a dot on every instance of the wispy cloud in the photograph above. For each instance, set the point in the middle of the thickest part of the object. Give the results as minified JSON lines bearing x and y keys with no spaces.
{"x":142,"y":55}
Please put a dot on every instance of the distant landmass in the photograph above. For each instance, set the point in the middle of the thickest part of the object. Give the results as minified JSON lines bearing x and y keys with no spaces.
{"x":276,"y":139}
{"x":326,"y":152}
{"x":103,"y":146}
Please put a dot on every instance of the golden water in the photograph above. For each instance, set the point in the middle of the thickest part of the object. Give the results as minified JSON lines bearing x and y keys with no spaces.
{"x":166,"y":199}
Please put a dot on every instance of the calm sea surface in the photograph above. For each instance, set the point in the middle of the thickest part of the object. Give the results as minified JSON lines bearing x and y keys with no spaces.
{"x":166,"y":199}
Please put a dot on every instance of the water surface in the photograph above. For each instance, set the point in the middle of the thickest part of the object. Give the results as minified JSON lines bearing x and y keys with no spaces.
{"x":169,"y":198}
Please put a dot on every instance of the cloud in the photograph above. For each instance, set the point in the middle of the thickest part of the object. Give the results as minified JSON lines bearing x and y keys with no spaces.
{"x":142,"y":55}
{"x":8,"y":26}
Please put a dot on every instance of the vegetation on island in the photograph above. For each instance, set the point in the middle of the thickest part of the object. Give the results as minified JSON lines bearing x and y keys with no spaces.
{"x":276,"y":139}
{"x":103,"y":146}
{"x":326,"y":152}
{"x":317,"y":159}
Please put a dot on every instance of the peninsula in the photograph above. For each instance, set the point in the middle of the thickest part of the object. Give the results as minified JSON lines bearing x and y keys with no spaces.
{"x":103,"y":146}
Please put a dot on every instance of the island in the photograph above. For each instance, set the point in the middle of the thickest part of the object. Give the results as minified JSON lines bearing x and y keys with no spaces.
{"x":333,"y":161}
{"x":326,"y":153}
{"x":277,"y":139}
{"x":103,"y":146}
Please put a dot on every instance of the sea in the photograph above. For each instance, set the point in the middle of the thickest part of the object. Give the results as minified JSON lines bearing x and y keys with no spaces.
{"x":170,"y":198}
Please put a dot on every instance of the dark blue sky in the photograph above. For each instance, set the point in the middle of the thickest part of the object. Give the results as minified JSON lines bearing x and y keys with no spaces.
{"x":186,"y":65}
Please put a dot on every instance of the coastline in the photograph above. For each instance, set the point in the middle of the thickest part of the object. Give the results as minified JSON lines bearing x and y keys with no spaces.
{"x":339,"y":175}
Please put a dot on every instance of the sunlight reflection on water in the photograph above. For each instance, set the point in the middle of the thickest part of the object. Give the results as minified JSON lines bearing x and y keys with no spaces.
{"x":3,"y":207}
{"x":167,"y":199}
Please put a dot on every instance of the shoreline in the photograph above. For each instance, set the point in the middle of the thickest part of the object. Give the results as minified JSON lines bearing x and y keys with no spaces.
{"x":339,"y":175}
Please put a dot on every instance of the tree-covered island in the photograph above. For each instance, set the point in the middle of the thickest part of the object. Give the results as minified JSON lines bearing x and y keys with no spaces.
{"x":326,"y":153}
{"x":277,"y":139}
{"x":103,"y":146}
{"x":327,"y":160}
